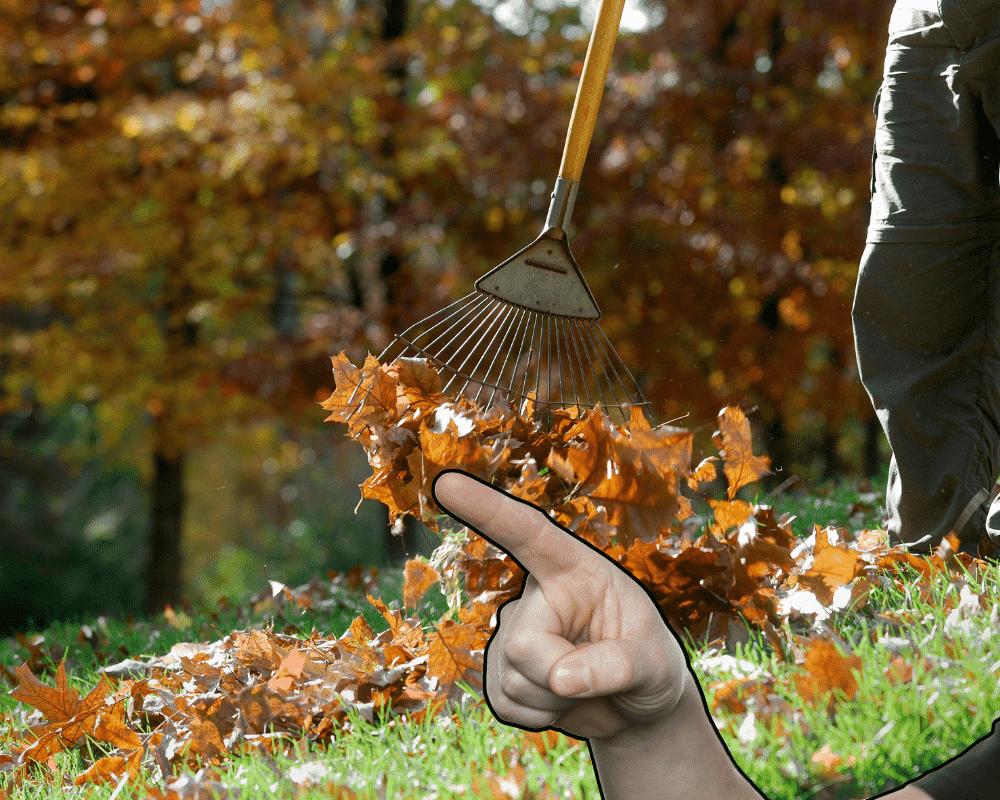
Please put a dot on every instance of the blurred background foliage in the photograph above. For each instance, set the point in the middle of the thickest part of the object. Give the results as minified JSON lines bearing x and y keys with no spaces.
{"x":202,"y":200}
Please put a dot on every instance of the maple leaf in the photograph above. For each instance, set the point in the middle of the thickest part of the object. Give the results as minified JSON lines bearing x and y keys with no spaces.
{"x":110,"y":727}
{"x":734,"y":440}
{"x":347,"y":383}
{"x":832,"y":567}
{"x":57,"y":703}
{"x":418,"y":577}
{"x":825,"y":672}
{"x":418,"y":382}
{"x":730,"y":513}
{"x":111,"y":769}
{"x":454,"y":651}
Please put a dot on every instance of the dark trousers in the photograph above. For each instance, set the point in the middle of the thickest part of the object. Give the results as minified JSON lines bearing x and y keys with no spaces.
{"x":926,"y":309}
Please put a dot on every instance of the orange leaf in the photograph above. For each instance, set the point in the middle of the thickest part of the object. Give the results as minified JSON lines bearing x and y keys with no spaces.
{"x":833,"y":567}
{"x":730,"y":513}
{"x":418,"y":577}
{"x":57,"y":703}
{"x":451,"y":652}
{"x":418,"y":381}
{"x":347,"y":380}
{"x":827,"y":670}
{"x":734,"y":440}
{"x":111,"y":728}
{"x":111,"y":769}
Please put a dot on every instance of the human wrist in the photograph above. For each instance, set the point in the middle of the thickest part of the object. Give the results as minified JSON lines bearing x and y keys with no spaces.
{"x":678,"y":756}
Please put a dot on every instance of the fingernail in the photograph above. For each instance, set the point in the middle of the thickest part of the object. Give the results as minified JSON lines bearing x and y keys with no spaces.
{"x":571,"y":680}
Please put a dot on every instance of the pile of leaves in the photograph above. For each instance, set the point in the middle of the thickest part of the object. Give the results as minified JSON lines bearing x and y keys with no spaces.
{"x":628,"y":489}
{"x":201,"y":702}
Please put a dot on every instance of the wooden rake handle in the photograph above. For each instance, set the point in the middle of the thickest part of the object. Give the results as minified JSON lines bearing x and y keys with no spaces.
{"x":591,"y":88}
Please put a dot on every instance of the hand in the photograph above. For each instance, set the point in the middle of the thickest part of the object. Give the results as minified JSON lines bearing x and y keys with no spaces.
{"x":583,"y":649}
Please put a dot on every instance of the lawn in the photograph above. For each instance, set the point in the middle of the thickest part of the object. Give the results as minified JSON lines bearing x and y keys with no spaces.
{"x":926,"y":689}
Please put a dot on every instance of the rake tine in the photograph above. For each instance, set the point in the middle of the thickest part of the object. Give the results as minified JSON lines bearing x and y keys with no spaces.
{"x":599,"y":385}
{"x":559,"y":361}
{"x":610,"y":383}
{"x":488,"y":380}
{"x":615,"y":356}
{"x":527,"y":364}
{"x":587,"y":361}
{"x":572,"y":372}
{"x":440,"y":355}
{"x":489,"y":321}
{"x":523,"y":326}
{"x":576,"y":352}
{"x":474,"y":372}
{"x":538,"y":360}
{"x":549,"y":324}
{"x":475,"y":309}
{"x":469,"y":299}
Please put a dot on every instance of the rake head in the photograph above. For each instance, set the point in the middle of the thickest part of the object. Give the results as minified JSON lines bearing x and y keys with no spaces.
{"x":529,"y":331}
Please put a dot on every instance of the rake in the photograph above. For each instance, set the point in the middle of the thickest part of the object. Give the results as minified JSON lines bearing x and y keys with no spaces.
{"x":530,"y":328}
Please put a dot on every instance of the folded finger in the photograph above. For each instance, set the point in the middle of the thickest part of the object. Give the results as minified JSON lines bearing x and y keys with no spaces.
{"x":521,"y":689}
{"x":530,"y":640}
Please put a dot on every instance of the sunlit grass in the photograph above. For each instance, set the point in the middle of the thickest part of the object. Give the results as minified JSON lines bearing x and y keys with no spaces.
{"x":893,"y":731}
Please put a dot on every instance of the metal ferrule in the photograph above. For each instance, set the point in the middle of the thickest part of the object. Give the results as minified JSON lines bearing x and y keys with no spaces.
{"x":561,"y":205}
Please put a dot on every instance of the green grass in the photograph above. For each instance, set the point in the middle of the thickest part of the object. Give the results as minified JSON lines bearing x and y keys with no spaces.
{"x":894,"y":731}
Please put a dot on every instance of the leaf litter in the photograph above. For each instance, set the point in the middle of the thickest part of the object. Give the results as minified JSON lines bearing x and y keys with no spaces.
{"x":627,"y":489}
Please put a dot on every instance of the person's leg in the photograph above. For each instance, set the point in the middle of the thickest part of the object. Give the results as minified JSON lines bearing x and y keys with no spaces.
{"x":923,"y":322}
{"x":924,"y":312}
{"x":982,"y":67}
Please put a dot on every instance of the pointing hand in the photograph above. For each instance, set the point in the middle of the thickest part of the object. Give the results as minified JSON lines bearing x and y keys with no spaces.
{"x":584,"y":648}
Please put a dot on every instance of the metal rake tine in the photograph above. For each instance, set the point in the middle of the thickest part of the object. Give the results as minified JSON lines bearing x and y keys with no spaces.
{"x":527,"y":365}
{"x":456,"y":332}
{"x":467,"y":299}
{"x":572,"y":373}
{"x":548,"y":359}
{"x":562,"y":392}
{"x":538,"y":361}
{"x":523,"y":327}
{"x":608,"y":383}
{"x":599,"y":385}
{"x":576,"y":351}
{"x":488,"y":380}
{"x":489,"y":321}
{"x":621,"y":362}
{"x":589,"y":360}
{"x":474,"y":308}
{"x":502,"y":321}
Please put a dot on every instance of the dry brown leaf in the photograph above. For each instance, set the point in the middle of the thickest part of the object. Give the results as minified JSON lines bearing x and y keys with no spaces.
{"x":833,"y":566}
{"x":826,"y":671}
{"x":454,"y":651}
{"x":418,"y":577}
{"x":57,"y":703}
{"x":111,"y":727}
{"x":735,"y":443}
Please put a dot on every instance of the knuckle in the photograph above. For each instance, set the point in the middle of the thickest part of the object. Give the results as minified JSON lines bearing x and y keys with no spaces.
{"x":519,"y":649}
{"x":512,"y":683}
{"x":504,"y":709}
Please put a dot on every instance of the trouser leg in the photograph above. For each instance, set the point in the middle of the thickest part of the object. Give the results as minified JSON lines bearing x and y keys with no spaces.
{"x":925,"y":326}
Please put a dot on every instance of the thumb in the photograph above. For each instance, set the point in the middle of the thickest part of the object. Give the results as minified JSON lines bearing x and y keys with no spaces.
{"x":598,"y":669}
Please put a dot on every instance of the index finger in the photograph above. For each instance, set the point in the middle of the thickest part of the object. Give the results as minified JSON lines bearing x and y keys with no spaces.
{"x":522,"y":530}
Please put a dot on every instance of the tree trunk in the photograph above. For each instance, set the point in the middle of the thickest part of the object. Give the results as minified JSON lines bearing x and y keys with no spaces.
{"x":164,"y":567}
{"x":167,"y":517}
{"x":377,"y":299}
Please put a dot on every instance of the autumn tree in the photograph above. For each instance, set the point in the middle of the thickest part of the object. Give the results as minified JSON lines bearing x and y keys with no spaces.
{"x":176,"y":185}
{"x":202,"y":201}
